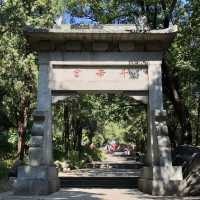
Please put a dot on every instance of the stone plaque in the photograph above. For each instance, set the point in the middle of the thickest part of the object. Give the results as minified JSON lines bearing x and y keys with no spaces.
{"x":99,"y":78}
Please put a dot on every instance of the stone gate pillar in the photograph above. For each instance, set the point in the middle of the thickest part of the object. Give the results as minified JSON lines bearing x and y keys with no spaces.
{"x":40,"y":176}
{"x":159,"y":176}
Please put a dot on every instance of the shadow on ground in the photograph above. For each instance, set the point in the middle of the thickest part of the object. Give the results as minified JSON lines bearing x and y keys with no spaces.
{"x":141,"y":196}
{"x":94,"y":194}
{"x":67,"y":194}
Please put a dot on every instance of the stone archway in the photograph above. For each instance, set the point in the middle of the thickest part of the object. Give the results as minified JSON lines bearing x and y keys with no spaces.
{"x":113,"y":59}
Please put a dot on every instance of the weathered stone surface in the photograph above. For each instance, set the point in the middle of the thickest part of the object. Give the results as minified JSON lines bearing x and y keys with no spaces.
{"x":158,"y":180}
{"x":73,"y":45}
{"x":37,"y":172}
{"x":40,"y":180}
{"x":161,"y":187}
{"x":155,"y":46}
{"x":37,"y":129}
{"x":126,"y":46}
{"x":156,"y":172}
{"x":36,"y":141}
{"x":35,"y":155}
{"x":100,"y":46}
{"x":127,"y":49}
{"x":38,"y":125}
{"x":156,"y":40}
{"x":39,"y":115}
{"x":64,"y":77}
{"x":161,"y":178}
{"x":13,"y":170}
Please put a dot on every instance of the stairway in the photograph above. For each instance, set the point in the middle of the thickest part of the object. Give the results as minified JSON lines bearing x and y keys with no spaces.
{"x":107,"y":174}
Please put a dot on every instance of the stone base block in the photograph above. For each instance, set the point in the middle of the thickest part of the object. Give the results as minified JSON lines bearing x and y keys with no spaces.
{"x":166,"y":173}
{"x":40,"y":180}
{"x":162,"y":181}
{"x":161,"y":187}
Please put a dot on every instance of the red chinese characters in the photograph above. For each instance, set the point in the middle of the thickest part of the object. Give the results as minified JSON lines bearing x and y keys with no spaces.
{"x":124,"y":72}
{"x":76,"y":73}
{"x":100,"y":73}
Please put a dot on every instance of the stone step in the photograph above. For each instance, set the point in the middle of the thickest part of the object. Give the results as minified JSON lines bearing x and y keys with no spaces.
{"x":123,"y":165}
{"x":99,"y":182}
{"x":102,"y":173}
{"x":105,"y":178}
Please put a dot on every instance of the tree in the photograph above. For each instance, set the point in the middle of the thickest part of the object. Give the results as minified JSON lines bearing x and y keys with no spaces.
{"x":159,"y":14}
{"x":18,"y":69}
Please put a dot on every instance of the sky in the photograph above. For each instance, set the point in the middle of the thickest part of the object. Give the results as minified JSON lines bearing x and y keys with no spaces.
{"x":68,"y":19}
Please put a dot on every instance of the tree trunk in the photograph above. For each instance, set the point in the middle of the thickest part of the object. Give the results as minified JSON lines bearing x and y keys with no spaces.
{"x":171,"y":130}
{"x":66,"y":130}
{"x":155,"y":16}
{"x":79,"y":138}
{"x":22,"y":124}
{"x":179,"y":107}
{"x":198,"y":118}
{"x":168,"y":16}
{"x":90,"y":137}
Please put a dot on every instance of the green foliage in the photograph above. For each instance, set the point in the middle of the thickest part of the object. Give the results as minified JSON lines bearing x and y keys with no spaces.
{"x":184,"y":56}
{"x":92,"y":154}
{"x":87,"y":156}
{"x":117,"y":11}
{"x":75,"y":161}
{"x":99,"y":139}
{"x":103,"y":118}
{"x":114,"y":131}
{"x":137,"y":131}
{"x":7,"y":148}
{"x":74,"y":158}
{"x":18,"y":66}
{"x":58,"y":150}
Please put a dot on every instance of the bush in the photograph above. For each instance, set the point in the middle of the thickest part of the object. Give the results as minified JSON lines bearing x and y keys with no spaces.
{"x":87,"y":155}
{"x":76,"y":160}
{"x":7,"y":149}
{"x":90,"y":155}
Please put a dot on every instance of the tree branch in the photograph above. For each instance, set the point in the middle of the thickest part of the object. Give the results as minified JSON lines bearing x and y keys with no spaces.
{"x":168,"y":15}
{"x":172,"y":7}
{"x":155,"y":16}
{"x":163,"y":3}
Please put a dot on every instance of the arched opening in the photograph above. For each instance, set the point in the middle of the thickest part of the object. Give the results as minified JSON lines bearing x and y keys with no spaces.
{"x":101,"y":136}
